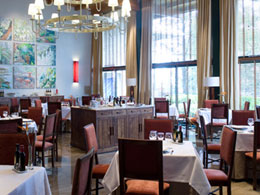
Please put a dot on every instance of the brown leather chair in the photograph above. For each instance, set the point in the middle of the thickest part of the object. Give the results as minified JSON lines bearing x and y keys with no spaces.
{"x":142,"y":168}
{"x":52,"y":108}
{"x":208,"y":103}
{"x":240,"y":117}
{"x":11,"y":126}
{"x":86,"y":100}
{"x":4,"y":108}
{"x":227,"y":151}
{"x":218,"y":111}
{"x":35,"y":113}
{"x":83,"y":174}
{"x":257,"y":108}
{"x":45,"y":145}
{"x":24,"y":106}
{"x":14,"y":105}
{"x":99,"y":170}
{"x":255,"y":155}
{"x":8,"y":146}
{"x":159,"y":99}
{"x":38,"y":103}
{"x":207,"y":148}
{"x":247,"y":105}
{"x":160,"y":125}
{"x":161,"y":106}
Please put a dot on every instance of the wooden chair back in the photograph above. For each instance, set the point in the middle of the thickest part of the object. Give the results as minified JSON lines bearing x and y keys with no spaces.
{"x":160,"y":125}
{"x":208,"y":103}
{"x":10,"y":126}
{"x":161,"y":107}
{"x":14,"y":105}
{"x":256,"y":138}
{"x":53,"y":106}
{"x":257,"y":112}
{"x":219,"y":111}
{"x":49,"y":128}
{"x":240,"y":117}
{"x":187,"y":108}
{"x":140,"y":159}
{"x":38,"y":103}
{"x":160,"y":99}
{"x":83,"y":174}
{"x":204,"y":133}
{"x":25,"y":104}
{"x":35,"y":113}
{"x":86,"y":100}
{"x":4,"y":108}
{"x":91,"y":139}
{"x":247,"y":105}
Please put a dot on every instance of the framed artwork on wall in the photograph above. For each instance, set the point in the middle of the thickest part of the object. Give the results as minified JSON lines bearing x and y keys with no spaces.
{"x":23,"y":30}
{"x":46,"y":77}
{"x":6,"y":29}
{"x":24,"y":54}
{"x":24,"y":77}
{"x":46,"y":54}
{"x":5,"y":52}
{"x":46,"y":36}
{"x":6,"y":77}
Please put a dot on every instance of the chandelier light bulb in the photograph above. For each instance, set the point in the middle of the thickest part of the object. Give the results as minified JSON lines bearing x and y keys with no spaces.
{"x":39,"y":4}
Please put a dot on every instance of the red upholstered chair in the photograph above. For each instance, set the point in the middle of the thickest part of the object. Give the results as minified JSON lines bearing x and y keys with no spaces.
{"x":45,"y":145}
{"x":4,"y":108}
{"x":8,"y":146}
{"x":227,"y":151}
{"x":99,"y":170}
{"x":83,"y":175}
{"x":14,"y":105}
{"x":255,"y":155}
{"x":218,"y":111}
{"x":247,"y":105}
{"x":38,"y":103}
{"x":207,"y":148}
{"x":86,"y":100}
{"x":52,"y":108}
{"x":208,"y":103}
{"x":162,"y":106}
{"x":24,"y":106}
{"x":257,"y":112}
{"x":35,"y":113}
{"x":159,"y":99}
{"x":240,"y":117}
{"x":10,"y":126}
{"x":142,"y":168}
{"x":160,"y":125}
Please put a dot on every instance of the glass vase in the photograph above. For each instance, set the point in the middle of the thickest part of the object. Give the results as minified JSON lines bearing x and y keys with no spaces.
{"x":30,"y":159}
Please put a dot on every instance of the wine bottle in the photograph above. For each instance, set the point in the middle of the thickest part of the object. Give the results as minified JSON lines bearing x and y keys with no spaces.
{"x":22,"y":158}
{"x":180,"y":135}
{"x":16,"y":157}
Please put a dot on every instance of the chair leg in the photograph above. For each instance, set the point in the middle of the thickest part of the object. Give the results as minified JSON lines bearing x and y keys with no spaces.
{"x":56,"y":150}
{"x":204,"y":159}
{"x":207,"y":160}
{"x":96,"y":186}
{"x":254,"y":175}
{"x":246,"y":169}
{"x":220,"y":190}
{"x":211,"y":133}
{"x":43,"y":159}
{"x":52,"y":157}
{"x":229,"y":189}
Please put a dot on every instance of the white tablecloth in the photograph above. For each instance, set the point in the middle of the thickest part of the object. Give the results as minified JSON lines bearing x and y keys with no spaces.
{"x":183,"y":165}
{"x":65,"y":111}
{"x":206,"y":113}
{"x":173,"y":111}
{"x":33,"y":182}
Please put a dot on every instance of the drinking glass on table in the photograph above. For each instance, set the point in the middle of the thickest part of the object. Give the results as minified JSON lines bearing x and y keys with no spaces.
{"x":5,"y":114}
{"x":168,"y":136}
{"x":153,"y":135}
{"x":250,"y":122}
{"x":160,"y":135}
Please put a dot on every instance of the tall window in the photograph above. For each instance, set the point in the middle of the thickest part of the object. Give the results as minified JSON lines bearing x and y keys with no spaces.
{"x":249,"y":51}
{"x":174,"y":51}
{"x":114,"y":61}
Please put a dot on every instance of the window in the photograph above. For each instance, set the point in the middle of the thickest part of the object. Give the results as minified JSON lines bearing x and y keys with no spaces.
{"x":248,"y":20}
{"x":114,"y":59}
{"x":174,"y":51}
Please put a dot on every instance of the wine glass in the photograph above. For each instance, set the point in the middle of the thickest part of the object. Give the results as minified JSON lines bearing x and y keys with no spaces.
{"x":153,"y":135}
{"x":5,"y":114}
{"x":250,"y":122}
{"x":160,"y":135}
{"x":168,"y":136}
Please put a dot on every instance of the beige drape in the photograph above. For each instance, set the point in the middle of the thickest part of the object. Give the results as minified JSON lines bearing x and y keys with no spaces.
{"x":228,"y":56}
{"x":203,"y":47}
{"x":97,"y":83}
{"x":131,"y":58}
{"x":146,"y":53}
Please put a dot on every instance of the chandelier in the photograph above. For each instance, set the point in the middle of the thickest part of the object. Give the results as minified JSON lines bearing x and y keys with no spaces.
{"x":76,"y":23}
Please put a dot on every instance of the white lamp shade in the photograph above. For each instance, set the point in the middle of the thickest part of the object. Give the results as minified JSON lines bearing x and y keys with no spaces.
{"x":112,"y":3}
{"x":39,"y":4}
{"x":87,"y":2}
{"x":58,"y":2}
{"x":126,"y":5}
{"x":54,"y":15}
{"x":131,"y":82}
{"x":32,"y":11}
{"x":211,"y":82}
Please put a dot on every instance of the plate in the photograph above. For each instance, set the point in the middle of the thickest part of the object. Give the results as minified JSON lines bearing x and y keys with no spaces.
{"x":20,"y":172}
{"x":27,"y":120}
{"x":237,"y":127}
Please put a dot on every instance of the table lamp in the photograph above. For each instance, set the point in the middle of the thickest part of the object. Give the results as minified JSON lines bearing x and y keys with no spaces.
{"x":211,"y":82}
{"x":131,"y":82}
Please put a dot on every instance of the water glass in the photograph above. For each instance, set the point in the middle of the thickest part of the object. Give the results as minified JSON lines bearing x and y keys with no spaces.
{"x":160,"y":135}
{"x":30,"y":161}
{"x":250,"y":121}
{"x":153,"y":135}
{"x":168,"y":136}
{"x":5,"y":114}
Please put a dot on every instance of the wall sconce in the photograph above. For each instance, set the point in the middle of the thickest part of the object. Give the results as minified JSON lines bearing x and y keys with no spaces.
{"x":75,"y":71}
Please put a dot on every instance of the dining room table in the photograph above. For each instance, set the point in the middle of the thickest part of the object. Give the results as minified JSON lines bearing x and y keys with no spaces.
{"x":29,"y":182}
{"x":173,"y":112}
{"x":181,"y":163}
{"x":65,"y":111}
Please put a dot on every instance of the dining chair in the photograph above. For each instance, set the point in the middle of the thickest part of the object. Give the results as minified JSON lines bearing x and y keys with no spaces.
{"x":208,"y":103}
{"x":247,"y":105}
{"x":160,"y":125}
{"x":4,"y":108}
{"x":38,"y":103}
{"x":14,"y":105}
{"x":52,"y":108}
{"x":257,"y":108}
{"x":208,"y":148}
{"x":141,"y":162}
{"x":99,"y":170}
{"x":44,"y":99}
{"x":240,"y":117}
{"x":218,"y":111}
{"x":159,"y":99}
{"x":45,"y":145}
{"x":83,"y":174}
{"x":8,"y":143}
{"x":24,"y":106}
{"x":255,"y":155}
{"x":86,"y":100}
{"x":35,"y":113}
{"x":222,"y":176}
{"x":11,"y":125}
{"x":185,"y":116}
{"x":94,"y":96}
{"x":162,"y":106}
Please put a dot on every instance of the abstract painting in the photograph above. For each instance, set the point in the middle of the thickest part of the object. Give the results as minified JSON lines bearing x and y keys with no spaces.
{"x":24,"y":77}
{"x":24,"y":54}
{"x":46,"y":77}
{"x":46,"y":36}
{"x":46,"y":55}
{"x":23,"y":30}
{"x":5,"y":52}
{"x":6,"y":29}
{"x":6,"y":77}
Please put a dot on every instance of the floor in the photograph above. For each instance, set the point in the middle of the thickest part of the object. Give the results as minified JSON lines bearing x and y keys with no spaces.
{"x":61,"y":176}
